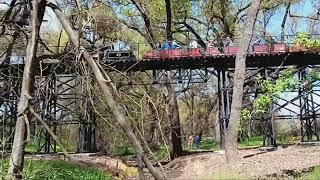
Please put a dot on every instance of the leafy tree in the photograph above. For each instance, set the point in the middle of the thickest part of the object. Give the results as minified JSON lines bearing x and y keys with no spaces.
{"x":305,"y":40}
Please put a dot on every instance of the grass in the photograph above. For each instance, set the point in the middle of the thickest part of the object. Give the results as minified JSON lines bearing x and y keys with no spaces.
{"x":123,"y":151}
{"x":205,"y":145}
{"x":55,"y":169}
{"x":32,"y":147}
{"x":258,"y":141}
{"x":314,"y":174}
{"x":252,"y":142}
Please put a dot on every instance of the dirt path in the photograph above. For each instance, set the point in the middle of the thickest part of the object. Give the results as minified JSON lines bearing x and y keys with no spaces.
{"x":283,"y":162}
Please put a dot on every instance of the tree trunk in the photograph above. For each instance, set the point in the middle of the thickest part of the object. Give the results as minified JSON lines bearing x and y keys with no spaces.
{"x":217,"y":128}
{"x":17,"y":156}
{"x":239,"y":77}
{"x":152,"y":135}
{"x":113,"y":105}
{"x":284,"y":20}
{"x":169,"y":20}
{"x":175,"y":130}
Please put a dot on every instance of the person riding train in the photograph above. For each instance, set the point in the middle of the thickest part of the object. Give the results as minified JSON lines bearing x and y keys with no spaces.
{"x":193,"y":44}
{"x":170,"y":45}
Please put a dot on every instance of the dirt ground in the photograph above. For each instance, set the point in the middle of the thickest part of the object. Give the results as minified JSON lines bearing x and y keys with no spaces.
{"x":256,"y":164}
{"x":282,"y":162}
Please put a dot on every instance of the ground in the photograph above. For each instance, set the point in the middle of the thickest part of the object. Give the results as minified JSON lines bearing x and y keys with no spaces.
{"x":291,"y":161}
{"x":283,"y":162}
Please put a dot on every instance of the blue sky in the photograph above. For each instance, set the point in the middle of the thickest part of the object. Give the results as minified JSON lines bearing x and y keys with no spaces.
{"x":304,"y":8}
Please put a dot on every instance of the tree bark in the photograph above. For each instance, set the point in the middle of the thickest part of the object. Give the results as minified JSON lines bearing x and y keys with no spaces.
{"x":175,"y":130}
{"x":284,"y":20}
{"x":169,"y":20}
{"x":239,"y":77}
{"x":113,"y":105}
{"x":17,"y":156}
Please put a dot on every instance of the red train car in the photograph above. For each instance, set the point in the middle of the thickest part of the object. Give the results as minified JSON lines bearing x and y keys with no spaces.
{"x":279,"y":48}
{"x":194,"y":52}
{"x":171,"y":53}
{"x":152,"y":54}
{"x":214,"y":51}
{"x":260,"y":49}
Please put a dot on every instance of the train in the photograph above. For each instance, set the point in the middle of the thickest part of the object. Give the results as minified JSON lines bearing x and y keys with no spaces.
{"x":108,"y":54}
{"x":216,"y":51}
{"x":128,"y":55}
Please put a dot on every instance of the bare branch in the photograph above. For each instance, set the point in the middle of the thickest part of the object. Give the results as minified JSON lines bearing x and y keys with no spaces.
{"x":305,"y":17}
{"x":55,"y":138}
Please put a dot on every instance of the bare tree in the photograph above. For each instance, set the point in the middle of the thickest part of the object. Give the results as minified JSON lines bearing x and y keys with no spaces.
{"x":17,"y":156}
{"x":239,"y":77}
{"x":103,"y":79}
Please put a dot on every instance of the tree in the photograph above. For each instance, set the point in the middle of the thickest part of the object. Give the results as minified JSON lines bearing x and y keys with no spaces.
{"x":17,"y":156}
{"x":175,"y":130}
{"x":239,"y":77}
{"x":104,"y":82}
{"x":145,"y":18}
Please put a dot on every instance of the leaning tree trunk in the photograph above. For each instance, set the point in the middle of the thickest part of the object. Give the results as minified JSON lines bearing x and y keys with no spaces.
{"x":239,"y":77}
{"x":113,"y":105}
{"x":284,"y":20}
{"x":17,"y":156}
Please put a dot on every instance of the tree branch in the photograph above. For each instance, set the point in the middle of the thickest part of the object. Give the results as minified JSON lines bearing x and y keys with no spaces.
{"x":115,"y":108}
{"x":147,"y":22}
{"x":199,"y":21}
{"x":201,"y":42}
{"x":305,"y":17}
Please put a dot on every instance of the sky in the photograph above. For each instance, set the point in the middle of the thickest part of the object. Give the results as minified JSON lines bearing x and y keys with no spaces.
{"x":304,"y":8}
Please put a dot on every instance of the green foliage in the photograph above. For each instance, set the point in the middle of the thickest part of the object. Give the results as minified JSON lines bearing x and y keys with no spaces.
{"x":270,"y":91}
{"x":303,"y":39}
{"x":55,"y":169}
{"x":123,"y":151}
{"x":246,"y":114}
{"x":161,"y":153}
{"x":313,"y":76}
